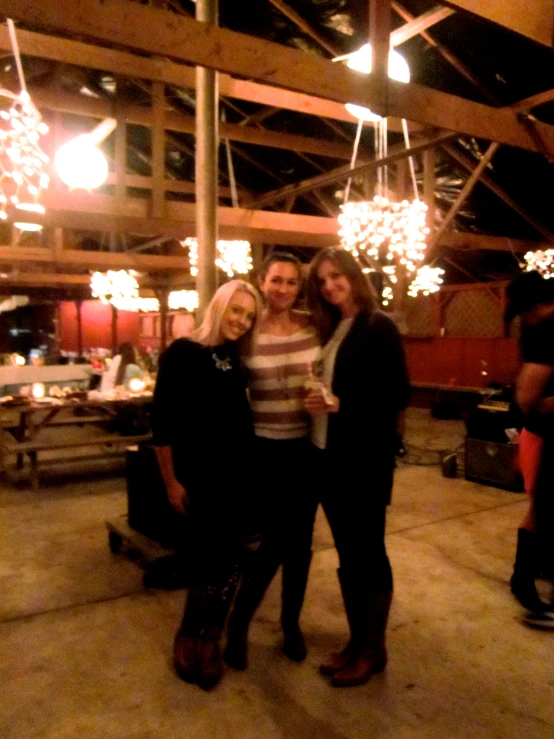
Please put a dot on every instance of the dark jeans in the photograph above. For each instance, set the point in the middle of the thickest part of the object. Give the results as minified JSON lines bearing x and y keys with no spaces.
{"x":354,"y":495}
{"x":287,"y":504}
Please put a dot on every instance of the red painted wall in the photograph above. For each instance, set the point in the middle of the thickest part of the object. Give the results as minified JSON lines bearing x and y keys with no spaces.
{"x":458,"y":361}
{"x":96,"y":322}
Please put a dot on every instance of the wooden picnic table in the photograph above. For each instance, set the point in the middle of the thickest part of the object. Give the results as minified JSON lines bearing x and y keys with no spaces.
{"x":22,"y":426}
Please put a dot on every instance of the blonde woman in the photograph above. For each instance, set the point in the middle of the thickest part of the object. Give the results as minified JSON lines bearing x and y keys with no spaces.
{"x":203,"y":432}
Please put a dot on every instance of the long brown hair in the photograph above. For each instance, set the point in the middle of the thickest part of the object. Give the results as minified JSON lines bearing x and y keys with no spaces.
{"x":325,"y":316}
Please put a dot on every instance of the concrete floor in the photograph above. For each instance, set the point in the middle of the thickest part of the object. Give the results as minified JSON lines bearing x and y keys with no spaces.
{"x":86,"y":651}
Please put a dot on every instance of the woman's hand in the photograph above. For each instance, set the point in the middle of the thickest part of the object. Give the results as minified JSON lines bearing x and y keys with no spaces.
{"x":177,"y":495}
{"x":321,"y":402}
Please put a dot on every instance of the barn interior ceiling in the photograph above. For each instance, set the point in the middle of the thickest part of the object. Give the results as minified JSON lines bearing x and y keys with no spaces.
{"x":288,"y":164}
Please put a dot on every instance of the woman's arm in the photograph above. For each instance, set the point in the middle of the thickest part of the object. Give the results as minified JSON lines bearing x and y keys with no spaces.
{"x":530,"y":385}
{"x":176,"y":492}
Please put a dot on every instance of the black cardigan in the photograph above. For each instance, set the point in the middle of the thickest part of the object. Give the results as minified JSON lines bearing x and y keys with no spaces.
{"x":371,"y":381}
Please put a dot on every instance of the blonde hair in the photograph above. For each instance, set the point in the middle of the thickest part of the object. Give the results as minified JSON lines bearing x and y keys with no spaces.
{"x":209,"y":331}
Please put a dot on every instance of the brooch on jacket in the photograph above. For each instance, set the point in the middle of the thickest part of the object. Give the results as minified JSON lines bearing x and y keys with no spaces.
{"x":222,"y":364}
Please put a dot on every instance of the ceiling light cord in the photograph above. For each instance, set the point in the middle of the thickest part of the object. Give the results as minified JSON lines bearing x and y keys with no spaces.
{"x":15,"y":48}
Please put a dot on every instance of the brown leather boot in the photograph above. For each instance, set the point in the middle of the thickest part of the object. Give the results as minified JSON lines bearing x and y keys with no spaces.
{"x":360,"y":668}
{"x":370,"y":658}
{"x":337,"y":661}
{"x":185,"y":656}
{"x":210,"y":660}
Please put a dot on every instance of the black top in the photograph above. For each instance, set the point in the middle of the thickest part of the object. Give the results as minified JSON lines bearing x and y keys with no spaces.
{"x":201,"y":411}
{"x":537,"y":347}
{"x":371,"y":380}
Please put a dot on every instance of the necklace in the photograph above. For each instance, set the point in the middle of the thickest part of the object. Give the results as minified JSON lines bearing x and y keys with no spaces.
{"x":222,"y":364}
{"x":282,"y":369}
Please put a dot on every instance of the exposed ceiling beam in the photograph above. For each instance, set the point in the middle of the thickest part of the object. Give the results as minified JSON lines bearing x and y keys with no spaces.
{"x":419,"y":24}
{"x":460,"y":200}
{"x":534,"y":19}
{"x":164,"y":70}
{"x":185,"y":39}
{"x":446,"y":54}
{"x":95,"y":212}
{"x":469,"y":164}
{"x":298,"y":21}
{"x":470,"y":241}
{"x":66,"y":102}
{"x":541,"y":98}
{"x":343,"y":173}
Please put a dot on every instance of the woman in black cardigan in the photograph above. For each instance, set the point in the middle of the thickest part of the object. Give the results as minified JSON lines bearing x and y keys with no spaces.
{"x":355,"y":417}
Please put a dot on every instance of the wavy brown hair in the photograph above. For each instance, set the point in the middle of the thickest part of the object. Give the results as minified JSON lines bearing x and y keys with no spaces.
{"x":325,"y":316}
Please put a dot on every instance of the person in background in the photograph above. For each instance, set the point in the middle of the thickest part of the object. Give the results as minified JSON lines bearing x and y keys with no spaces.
{"x":202,"y":434}
{"x":277,"y":368}
{"x":363,"y":388}
{"x":129,"y":365}
{"x":532,"y":297}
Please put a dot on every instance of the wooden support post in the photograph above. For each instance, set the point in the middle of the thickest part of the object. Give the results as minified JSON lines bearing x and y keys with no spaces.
{"x":120,"y":149}
{"x":429,"y":187}
{"x":401,"y":179}
{"x":158,"y":150}
{"x":207,"y":143}
{"x":57,"y":244}
{"x":114,"y":330}
{"x":161,"y":294}
{"x":79,"y":305}
{"x":379,"y":38}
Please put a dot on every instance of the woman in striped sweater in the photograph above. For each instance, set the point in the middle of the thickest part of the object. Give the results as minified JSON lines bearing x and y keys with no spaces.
{"x":278,"y":367}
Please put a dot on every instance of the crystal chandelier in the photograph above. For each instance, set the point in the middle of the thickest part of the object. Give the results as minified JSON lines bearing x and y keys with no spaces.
{"x":541,"y":261}
{"x":22,"y":161}
{"x":233,"y":256}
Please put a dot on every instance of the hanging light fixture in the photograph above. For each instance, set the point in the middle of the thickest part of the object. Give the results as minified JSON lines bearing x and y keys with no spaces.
{"x":22,"y":161}
{"x":79,"y":163}
{"x":541,"y":261}
{"x":361,"y":61}
{"x":117,"y":287}
{"x":183,"y":299}
{"x":386,"y":236}
{"x":233,"y":256}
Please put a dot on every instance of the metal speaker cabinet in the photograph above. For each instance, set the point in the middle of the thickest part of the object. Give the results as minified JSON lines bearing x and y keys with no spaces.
{"x":492,"y":463}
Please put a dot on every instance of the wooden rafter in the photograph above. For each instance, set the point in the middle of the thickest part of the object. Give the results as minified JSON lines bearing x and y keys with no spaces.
{"x":303,"y":25}
{"x":119,"y":21}
{"x":469,"y":164}
{"x":419,"y":24}
{"x":342,"y":173}
{"x":66,"y":102}
{"x":165,"y":70}
{"x":460,"y":200}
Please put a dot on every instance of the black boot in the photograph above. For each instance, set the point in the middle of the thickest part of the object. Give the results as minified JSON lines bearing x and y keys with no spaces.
{"x":526,"y":568}
{"x":216,"y":603}
{"x":257,"y":577}
{"x":295,"y":580}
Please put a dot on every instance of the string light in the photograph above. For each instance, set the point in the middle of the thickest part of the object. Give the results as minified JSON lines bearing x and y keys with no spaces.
{"x":233,"y":256}
{"x":540,"y":261}
{"x":427,"y":280}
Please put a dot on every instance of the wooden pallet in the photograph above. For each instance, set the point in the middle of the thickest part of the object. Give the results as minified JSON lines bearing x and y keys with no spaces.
{"x":121,"y":537}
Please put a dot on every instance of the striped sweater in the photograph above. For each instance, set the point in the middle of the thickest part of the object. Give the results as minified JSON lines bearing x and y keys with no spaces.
{"x":277,"y":370}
